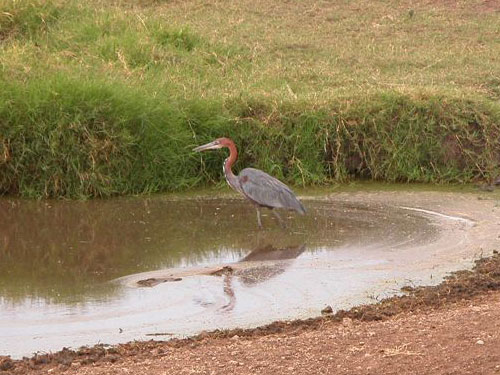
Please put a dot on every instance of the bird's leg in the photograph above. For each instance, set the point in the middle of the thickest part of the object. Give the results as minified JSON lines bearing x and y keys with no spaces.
{"x":282,"y":223}
{"x":259,"y":222}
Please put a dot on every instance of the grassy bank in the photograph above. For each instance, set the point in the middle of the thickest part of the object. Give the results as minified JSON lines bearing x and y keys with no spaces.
{"x":103,"y":98}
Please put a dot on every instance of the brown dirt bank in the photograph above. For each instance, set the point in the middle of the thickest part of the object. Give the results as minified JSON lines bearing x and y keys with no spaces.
{"x":452,"y":328}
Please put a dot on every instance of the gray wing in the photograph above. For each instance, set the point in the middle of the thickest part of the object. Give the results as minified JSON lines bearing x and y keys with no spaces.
{"x":268,"y":191}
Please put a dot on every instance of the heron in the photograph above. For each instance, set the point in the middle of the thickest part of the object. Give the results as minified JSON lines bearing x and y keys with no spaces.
{"x":260,"y":188}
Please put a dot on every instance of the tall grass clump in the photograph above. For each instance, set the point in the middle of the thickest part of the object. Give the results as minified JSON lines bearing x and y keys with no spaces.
{"x":394,"y":137}
{"x":181,"y":38}
{"x":64,"y":137}
{"x":27,"y":18}
{"x":385,"y":137}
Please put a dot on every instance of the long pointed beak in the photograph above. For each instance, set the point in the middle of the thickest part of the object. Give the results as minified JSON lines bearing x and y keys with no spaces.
{"x":209,"y":146}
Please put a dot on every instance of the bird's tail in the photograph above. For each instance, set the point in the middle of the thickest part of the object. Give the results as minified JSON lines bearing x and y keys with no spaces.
{"x":300,"y":208}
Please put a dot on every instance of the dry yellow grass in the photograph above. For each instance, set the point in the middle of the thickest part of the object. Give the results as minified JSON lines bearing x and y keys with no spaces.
{"x":319,"y":50}
{"x":309,"y":51}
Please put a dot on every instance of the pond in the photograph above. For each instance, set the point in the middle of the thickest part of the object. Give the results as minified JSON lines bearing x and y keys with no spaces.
{"x":110,"y":271}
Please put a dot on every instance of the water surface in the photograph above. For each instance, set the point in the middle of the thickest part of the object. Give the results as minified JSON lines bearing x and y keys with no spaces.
{"x":79,"y":273}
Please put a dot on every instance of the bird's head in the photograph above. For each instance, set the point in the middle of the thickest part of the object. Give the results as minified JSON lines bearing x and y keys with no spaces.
{"x":218,"y":143}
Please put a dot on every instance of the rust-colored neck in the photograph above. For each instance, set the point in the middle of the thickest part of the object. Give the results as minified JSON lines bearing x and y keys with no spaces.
{"x":233,"y":155}
{"x":231,"y":179}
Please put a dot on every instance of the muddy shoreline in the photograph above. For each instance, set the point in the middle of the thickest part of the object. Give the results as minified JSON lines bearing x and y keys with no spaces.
{"x":459,"y":287}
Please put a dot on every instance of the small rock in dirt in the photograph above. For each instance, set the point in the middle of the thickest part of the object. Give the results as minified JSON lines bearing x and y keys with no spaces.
{"x":6,"y":363}
{"x":112,"y":358}
{"x":347,"y":322}
{"x":480,"y":342}
{"x":327,"y":310}
{"x":407,"y":289}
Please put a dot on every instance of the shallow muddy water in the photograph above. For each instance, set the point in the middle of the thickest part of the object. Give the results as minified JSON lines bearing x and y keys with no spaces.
{"x":81,"y":273}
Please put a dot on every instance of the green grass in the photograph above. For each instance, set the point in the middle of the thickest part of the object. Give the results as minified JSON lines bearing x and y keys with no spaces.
{"x":102,"y":98}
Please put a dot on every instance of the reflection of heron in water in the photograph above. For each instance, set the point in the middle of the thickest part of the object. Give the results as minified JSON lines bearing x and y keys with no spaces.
{"x":271,"y":261}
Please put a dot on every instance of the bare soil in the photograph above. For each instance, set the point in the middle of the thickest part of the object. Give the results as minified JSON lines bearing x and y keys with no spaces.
{"x":452,"y":328}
